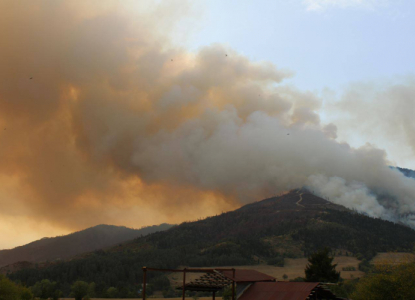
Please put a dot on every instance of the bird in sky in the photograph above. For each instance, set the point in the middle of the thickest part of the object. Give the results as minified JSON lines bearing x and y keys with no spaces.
{"x":31,"y":78}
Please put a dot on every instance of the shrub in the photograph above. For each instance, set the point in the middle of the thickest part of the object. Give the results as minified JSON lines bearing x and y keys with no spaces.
{"x":387,"y":282}
{"x":285,"y":276}
{"x":321,"y":267}
{"x":79,"y":289}
{"x":11,"y":291}
{"x":276,"y":261}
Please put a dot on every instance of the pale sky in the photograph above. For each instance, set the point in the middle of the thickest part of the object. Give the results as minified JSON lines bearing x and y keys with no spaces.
{"x":328,"y":44}
{"x":124,"y":112}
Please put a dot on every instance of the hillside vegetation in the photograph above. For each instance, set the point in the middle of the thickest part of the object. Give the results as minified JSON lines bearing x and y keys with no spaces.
{"x":61,"y":247}
{"x":289,"y":226}
{"x":407,"y":172}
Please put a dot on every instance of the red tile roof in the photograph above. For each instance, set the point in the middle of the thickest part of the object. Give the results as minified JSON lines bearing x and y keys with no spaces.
{"x":247,"y":276}
{"x":279,"y":291}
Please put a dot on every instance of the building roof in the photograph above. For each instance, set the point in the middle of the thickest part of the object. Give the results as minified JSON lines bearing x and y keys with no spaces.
{"x":242,"y":275}
{"x":208,"y":282}
{"x":218,"y":279}
{"x":279,"y":291}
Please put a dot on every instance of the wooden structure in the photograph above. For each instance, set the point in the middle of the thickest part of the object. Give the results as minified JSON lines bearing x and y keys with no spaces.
{"x":207,"y":283}
{"x":214,"y":280}
{"x":250,"y":285}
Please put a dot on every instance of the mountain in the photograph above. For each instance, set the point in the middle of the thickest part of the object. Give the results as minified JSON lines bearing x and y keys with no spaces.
{"x":62,"y":247}
{"x":407,"y":172}
{"x":291,"y":225}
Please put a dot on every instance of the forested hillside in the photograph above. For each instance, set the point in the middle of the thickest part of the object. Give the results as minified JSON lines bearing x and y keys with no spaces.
{"x":407,"y":172}
{"x":61,"y":247}
{"x":292,"y":225}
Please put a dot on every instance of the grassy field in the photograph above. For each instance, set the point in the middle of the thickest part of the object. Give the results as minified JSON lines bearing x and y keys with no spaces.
{"x":293,"y":268}
{"x":393,"y":258}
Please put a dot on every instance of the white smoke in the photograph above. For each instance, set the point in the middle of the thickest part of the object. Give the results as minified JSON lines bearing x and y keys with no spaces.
{"x":354,"y":195}
{"x":115,"y":117}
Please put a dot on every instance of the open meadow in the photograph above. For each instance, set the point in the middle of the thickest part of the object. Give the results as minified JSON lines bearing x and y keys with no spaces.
{"x":393,"y":258}
{"x":294,"y":267}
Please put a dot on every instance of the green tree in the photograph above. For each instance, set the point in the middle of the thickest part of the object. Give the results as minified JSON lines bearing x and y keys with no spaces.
{"x":227,"y":293}
{"x":112,"y":292}
{"x":44,"y":289}
{"x":25,"y":293}
{"x":387,"y":282}
{"x":345,"y":288}
{"x":91,"y":290}
{"x":321,"y":267}
{"x":79,"y":289}
{"x":285,"y":276}
{"x":168,"y":292}
{"x":276,"y":261}
{"x":8,"y":289}
{"x":57,"y":294}
{"x":195,"y":297}
{"x":11,"y":291}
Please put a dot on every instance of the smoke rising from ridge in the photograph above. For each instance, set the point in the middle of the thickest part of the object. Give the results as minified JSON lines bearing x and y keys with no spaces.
{"x":119,"y":126}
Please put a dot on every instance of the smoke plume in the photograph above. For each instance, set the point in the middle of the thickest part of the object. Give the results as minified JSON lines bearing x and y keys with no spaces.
{"x":104,"y":120}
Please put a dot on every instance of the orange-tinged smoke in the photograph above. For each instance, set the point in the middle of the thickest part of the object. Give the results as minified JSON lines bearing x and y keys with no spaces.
{"x":78,"y":84}
{"x":104,"y":121}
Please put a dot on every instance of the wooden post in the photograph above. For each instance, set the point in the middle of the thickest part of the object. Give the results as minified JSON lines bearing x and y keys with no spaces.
{"x":214,"y":296}
{"x":233,"y":284}
{"x":184,"y":284}
{"x":143,"y":291}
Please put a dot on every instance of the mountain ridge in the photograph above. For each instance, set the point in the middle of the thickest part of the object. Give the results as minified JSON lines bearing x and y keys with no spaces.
{"x":288,"y":226}
{"x":66,"y":246}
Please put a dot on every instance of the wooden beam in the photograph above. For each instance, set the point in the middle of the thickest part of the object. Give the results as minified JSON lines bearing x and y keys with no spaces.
{"x":144,"y":282}
{"x":233,"y":284}
{"x":189,"y":270}
{"x":184,"y":284}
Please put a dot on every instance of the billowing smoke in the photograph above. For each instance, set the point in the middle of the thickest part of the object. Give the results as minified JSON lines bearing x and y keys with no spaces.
{"x":381,"y":112}
{"x":103,"y":120}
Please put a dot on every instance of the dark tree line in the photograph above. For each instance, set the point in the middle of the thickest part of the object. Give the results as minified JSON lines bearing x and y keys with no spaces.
{"x":234,"y":238}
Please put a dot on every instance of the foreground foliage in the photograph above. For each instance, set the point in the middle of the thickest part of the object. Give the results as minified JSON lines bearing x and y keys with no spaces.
{"x":46,"y":289}
{"x":240,"y":237}
{"x":11,"y":291}
{"x":321,"y":267}
{"x":387,"y":282}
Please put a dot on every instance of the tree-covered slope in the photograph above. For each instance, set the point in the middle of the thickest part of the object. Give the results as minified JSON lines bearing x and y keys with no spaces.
{"x":61,"y":247}
{"x":407,"y":172}
{"x":294,"y":224}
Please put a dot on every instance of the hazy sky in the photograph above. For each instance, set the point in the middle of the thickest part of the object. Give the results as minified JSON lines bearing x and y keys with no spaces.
{"x":141,"y":112}
{"x":326,"y":43}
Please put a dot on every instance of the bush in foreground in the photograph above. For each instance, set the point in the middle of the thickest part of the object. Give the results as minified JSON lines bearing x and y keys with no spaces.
{"x":11,"y":291}
{"x":387,"y":282}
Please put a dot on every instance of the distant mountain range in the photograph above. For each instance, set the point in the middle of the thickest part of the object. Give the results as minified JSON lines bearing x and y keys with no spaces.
{"x":291,"y":225}
{"x":63,"y":247}
{"x":407,"y":172}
